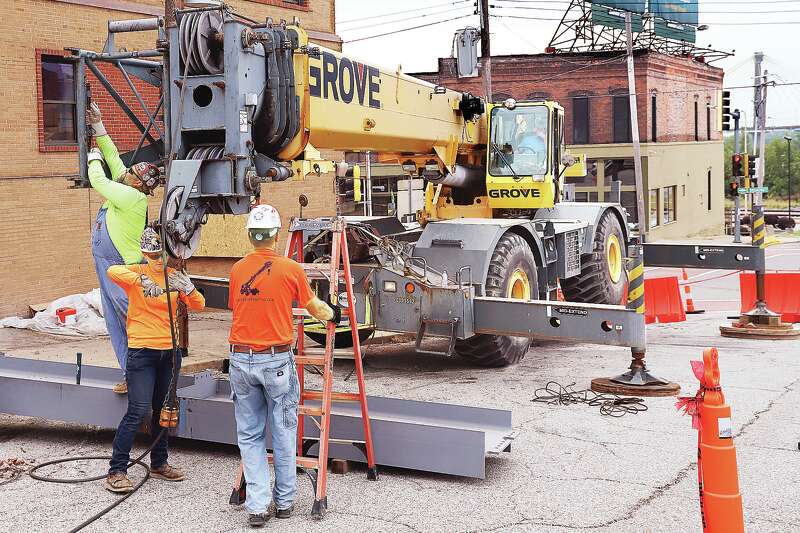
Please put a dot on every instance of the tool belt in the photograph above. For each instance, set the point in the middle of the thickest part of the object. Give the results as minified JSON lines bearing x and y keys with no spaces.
{"x":272,"y":350}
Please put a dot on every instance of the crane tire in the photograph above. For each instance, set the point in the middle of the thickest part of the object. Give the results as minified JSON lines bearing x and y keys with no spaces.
{"x":512,"y":269}
{"x":603,"y":276}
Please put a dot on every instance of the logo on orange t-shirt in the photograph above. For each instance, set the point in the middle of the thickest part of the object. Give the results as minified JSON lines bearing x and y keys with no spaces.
{"x":247,"y":287}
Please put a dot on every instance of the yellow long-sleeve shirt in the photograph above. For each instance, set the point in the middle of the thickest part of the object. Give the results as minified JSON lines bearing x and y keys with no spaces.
{"x":148,"y":318}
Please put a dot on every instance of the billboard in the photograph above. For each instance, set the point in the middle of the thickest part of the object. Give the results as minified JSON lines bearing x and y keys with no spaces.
{"x":677,"y":32}
{"x":634,"y":6}
{"x":602,"y":16}
{"x":681,"y":11}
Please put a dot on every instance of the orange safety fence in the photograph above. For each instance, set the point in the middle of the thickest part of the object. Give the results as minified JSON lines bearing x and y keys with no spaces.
{"x":662,"y":300}
{"x":782,"y":293}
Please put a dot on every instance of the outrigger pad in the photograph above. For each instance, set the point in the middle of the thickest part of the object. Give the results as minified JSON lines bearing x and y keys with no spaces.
{"x":319,"y":508}
{"x":372,"y":473}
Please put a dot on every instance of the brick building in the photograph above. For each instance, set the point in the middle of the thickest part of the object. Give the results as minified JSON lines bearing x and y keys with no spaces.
{"x":45,"y":249}
{"x":682,"y":152}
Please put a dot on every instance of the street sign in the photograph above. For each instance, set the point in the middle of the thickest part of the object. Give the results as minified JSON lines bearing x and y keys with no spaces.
{"x":751,"y":190}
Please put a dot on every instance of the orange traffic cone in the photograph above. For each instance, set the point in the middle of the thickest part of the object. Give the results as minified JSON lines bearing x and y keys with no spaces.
{"x":687,"y":291}
{"x":718,"y":479}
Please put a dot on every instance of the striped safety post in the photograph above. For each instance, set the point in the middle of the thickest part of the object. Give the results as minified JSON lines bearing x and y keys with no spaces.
{"x":636,"y":280}
{"x":758,"y":229}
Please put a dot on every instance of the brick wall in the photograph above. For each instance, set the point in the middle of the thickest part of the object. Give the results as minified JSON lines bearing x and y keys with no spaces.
{"x":676,"y":81}
{"x":45,"y":247}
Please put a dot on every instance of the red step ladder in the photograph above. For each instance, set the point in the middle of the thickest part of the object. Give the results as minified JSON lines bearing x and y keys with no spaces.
{"x":322,"y":359}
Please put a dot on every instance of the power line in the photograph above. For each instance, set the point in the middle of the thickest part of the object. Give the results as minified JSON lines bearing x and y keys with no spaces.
{"x":408,"y":29}
{"x":559,"y":9}
{"x":770,"y":23}
{"x":401,"y":12}
{"x":404,"y":19}
{"x":639,"y":3}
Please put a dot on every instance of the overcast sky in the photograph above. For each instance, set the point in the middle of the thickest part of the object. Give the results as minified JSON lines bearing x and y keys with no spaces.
{"x":417,"y":50}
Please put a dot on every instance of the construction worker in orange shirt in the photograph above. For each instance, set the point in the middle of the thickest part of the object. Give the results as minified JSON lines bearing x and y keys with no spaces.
{"x":264,"y":286}
{"x":150,"y":356}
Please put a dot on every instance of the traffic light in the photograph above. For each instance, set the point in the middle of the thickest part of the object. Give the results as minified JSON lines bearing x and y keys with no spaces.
{"x":726,"y":110}
{"x":736,"y":165}
{"x":751,"y":166}
{"x":733,"y":187}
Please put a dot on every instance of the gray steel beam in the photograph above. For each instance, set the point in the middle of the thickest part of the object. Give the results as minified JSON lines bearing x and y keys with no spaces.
{"x":688,"y":255}
{"x":427,"y":436}
{"x":432,"y":437}
{"x":592,"y":323}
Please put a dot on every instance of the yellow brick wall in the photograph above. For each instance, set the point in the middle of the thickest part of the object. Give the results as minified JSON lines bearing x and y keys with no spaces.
{"x":45,"y":249}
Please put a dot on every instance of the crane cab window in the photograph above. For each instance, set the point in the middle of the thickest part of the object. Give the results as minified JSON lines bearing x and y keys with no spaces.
{"x":519,"y":141}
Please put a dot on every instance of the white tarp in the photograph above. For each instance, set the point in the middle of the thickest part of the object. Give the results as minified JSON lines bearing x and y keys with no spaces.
{"x":89,"y":317}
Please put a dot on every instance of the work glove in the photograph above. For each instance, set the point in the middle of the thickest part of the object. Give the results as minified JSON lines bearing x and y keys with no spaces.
{"x":94,"y":119}
{"x":180,"y":281}
{"x":337,"y":313}
{"x":150,"y":288}
{"x":94,"y":155}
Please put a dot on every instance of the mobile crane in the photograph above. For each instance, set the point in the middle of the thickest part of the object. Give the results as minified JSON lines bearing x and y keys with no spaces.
{"x":250,"y":102}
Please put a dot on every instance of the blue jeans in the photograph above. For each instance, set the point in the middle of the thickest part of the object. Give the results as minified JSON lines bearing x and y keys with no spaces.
{"x":115,"y":301}
{"x":149,"y":378}
{"x":264,"y":388}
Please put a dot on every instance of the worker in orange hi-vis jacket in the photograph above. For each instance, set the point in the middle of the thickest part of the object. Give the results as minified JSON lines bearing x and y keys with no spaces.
{"x":150,"y":355}
{"x":263,"y":288}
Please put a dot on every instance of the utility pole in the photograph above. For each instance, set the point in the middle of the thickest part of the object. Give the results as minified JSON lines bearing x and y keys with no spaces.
{"x":486,"y":53}
{"x":758,"y":58}
{"x":762,"y":130}
{"x":788,"y":140}
{"x":637,"y":153}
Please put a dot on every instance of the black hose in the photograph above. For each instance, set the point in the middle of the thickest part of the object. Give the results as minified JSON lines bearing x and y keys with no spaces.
{"x":137,"y":461}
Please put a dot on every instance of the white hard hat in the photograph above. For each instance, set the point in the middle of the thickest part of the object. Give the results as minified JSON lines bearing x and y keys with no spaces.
{"x":150,"y":242}
{"x":264,"y":217}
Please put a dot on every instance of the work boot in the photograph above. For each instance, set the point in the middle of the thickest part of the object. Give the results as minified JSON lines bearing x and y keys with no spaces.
{"x":280,"y":513}
{"x":259,"y":519}
{"x":167,"y":473}
{"x":118,"y":482}
{"x":121,"y":388}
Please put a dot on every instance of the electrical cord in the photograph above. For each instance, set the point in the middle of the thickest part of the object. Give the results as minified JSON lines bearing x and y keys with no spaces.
{"x":612,"y":405}
{"x":137,"y":461}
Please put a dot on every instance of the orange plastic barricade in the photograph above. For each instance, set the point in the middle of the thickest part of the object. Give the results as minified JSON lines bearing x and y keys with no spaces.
{"x":782,"y":290}
{"x":717,"y":476}
{"x":662,"y":300}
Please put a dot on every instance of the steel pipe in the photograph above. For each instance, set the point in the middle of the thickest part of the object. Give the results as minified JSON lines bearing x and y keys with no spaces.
{"x":463,"y":177}
{"x":124,"y":26}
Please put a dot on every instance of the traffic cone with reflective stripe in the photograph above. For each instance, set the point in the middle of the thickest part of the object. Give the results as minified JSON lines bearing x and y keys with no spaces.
{"x":687,"y":291}
{"x":718,"y":479}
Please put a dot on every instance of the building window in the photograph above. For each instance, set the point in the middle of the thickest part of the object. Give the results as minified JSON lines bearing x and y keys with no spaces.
{"x":622,"y":119}
{"x":653,"y":119}
{"x":500,"y":97}
{"x":696,"y":125}
{"x":708,"y":122}
{"x":292,"y":4}
{"x":620,"y":170}
{"x":580,"y":120}
{"x":709,"y":191}
{"x":668,"y":204}
{"x":653,"y":208}
{"x":58,"y":101}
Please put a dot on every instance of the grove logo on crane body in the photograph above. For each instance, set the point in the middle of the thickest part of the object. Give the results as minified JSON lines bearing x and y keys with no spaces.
{"x":514,"y":193}
{"x":345,"y":81}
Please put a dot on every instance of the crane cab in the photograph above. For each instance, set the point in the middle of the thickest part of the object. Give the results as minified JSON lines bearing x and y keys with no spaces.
{"x":524,"y":168}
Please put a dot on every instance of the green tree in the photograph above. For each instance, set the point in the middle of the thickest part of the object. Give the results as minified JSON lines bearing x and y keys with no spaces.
{"x":775,"y":175}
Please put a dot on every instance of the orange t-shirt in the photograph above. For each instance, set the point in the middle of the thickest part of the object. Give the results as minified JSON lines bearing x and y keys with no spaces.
{"x":263,"y":288}
{"x":148,"y":318}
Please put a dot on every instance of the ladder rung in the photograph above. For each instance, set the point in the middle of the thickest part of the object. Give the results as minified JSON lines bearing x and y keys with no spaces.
{"x":317,"y":271}
{"x":309,"y":410}
{"x":299,"y":311}
{"x":305,"y":462}
{"x":337,"y":441}
{"x":336,"y":351}
{"x":335,"y":396}
{"x":310,"y":360}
